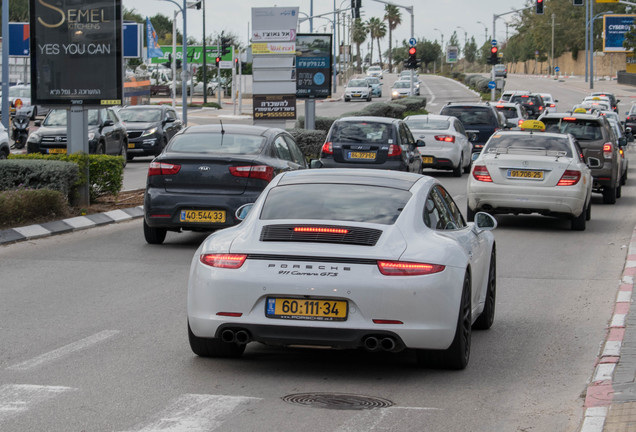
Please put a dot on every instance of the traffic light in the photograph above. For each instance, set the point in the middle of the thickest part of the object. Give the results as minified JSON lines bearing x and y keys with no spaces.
{"x":218,"y":60}
{"x":577,"y":2}
{"x":494,"y":58}
{"x":355,"y":8}
{"x":225,"y":46}
{"x":539,"y":7}
{"x":412,"y":61}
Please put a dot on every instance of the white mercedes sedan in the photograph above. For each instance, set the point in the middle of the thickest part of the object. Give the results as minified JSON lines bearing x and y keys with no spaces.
{"x":446,"y":142}
{"x":346,"y":259}
{"x":524,"y":172}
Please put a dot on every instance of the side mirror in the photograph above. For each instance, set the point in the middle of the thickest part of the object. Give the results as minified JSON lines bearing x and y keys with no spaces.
{"x":484,"y":222}
{"x":107,"y":122}
{"x":315,"y":163}
{"x":593,"y":162}
{"x":242,"y":212}
{"x":622,"y":141}
{"x":169,"y":120}
{"x":420,"y":143}
{"x":38,"y":123}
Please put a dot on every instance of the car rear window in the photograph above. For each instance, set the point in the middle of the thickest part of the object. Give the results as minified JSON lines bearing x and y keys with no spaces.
{"x":428,"y":124}
{"x":509,"y":112}
{"x":528,"y":143}
{"x":338,"y":202}
{"x":581,"y":129}
{"x":471,"y":116}
{"x":217,"y":143}
{"x":525,"y":99}
{"x":361,"y":131}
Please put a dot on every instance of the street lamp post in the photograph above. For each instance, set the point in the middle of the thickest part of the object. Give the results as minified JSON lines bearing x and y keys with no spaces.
{"x":485,"y":30}
{"x":184,"y":63}
{"x":591,"y":31}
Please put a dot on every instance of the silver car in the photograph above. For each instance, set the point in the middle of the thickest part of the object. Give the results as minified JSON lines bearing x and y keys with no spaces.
{"x":358,"y":88}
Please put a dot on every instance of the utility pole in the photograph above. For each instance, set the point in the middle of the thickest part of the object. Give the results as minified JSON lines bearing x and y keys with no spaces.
{"x":552,"y":53}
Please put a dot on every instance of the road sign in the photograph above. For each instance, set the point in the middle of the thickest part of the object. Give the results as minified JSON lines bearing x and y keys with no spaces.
{"x":19,"y":40}
{"x":412,"y":42}
{"x":492,"y":84}
{"x":556,"y":69}
{"x":493,"y":42}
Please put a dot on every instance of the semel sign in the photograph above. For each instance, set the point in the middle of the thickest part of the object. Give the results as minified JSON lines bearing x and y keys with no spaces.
{"x":76,"y":52}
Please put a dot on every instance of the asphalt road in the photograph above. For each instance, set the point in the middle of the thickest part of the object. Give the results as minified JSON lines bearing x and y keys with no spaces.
{"x":93,"y":336}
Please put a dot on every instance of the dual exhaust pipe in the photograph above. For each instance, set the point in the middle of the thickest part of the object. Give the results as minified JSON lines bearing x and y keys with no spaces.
{"x":372,"y":343}
{"x":240,"y":337}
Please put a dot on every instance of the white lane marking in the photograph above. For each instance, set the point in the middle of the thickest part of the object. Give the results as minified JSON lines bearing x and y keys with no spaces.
{"x":624,"y":296}
{"x":367,"y":420}
{"x":197,"y":413}
{"x":612,"y":348}
{"x":594,"y":419}
{"x":17,"y":398}
{"x":618,"y":320}
{"x":65,"y":350}
{"x":428,"y":89}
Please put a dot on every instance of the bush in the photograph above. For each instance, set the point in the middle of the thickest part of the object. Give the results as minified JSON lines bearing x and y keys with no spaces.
{"x":38,"y":174}
{"x":309,"y":141}
{"x":27,"y":206}
{"x":321,"y":123}
{"x":105,"y":172}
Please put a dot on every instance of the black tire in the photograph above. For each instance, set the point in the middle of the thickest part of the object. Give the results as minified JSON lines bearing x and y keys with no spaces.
{"x":456,"y":356}
{"x":578,"y":222}
{"x":154,"y":235}
{"x":457,"y":171}
{"x":588,"y":211}
{"x":3,"y":155}
{"x":100,"y":148}
{"x":370,"y":98}
{"x":212,"y":347}
{"x":609,"y":195}
{"x":470,"y":214}
{"x":619,"y":190}
{"x":487,"y":317}
{"x":347,"y":100}
{"x":210,"y":91}
{"x":467,"y":168}
{"x":34,"y":113}
{"x":129,"y":156}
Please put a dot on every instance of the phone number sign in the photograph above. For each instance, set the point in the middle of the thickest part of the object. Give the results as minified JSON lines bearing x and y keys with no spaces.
{"x":76,"y":52}
{"x":274,"y":107}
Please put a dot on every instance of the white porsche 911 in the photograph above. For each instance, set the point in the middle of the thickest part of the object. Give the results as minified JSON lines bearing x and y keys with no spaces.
{"x":346,"y":258}
{"x":524,"y":172}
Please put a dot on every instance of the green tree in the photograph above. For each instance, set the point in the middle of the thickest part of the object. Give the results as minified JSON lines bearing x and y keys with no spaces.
{"x":429,"y":52}
{"x":393,"y":17}
{"x":377,"y":30}
{"x":630,"y":39}
{"x":359,"y":35}
{"x":470,"y":50}
{"x":18,"y":11}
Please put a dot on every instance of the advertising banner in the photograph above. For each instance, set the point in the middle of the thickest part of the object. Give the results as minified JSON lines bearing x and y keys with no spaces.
{"x":76,"y":52}
{"x":274,"y":107}
{"x":313,"y":65}
{"x":19,"y":40}
{"x":615,"y":27}
{"x":452,"y":53}
{"x":195,"y":54}
{"x":274,"y":48}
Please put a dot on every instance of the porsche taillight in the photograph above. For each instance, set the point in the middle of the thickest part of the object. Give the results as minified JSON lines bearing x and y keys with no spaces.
{"x":162,"y":168}
{"x":569,"y":178}
{"x":228,"y":261}
{"x":327,"y":148}
{"x":395,"y":150}
{"x":401,"y":268}
{"x":480,"y":173}
{"x":262,"y":172}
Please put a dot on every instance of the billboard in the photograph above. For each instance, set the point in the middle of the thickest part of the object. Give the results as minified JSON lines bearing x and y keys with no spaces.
{"x":76,"y":52}
{"x":615,"y":27}
{"x":313,"y":65}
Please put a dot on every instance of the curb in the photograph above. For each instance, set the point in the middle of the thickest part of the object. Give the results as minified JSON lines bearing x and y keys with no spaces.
{"x":47,"y":229}
{"x":600,"y":391}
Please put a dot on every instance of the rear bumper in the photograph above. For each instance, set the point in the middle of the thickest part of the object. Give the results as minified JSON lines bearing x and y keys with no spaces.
{"x":388,"y":165}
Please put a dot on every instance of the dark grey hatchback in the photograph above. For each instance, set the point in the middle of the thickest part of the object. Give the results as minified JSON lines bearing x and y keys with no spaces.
{"x":370,"y":142}
{"x":207,"y":172}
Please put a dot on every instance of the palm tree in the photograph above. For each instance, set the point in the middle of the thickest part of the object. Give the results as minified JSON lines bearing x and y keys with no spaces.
{"x":393,"y":16}
{"x":377,"y":30}
{"x":359,"y":35}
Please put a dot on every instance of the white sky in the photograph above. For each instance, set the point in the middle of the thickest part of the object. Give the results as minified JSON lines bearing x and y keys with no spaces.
{"x":445,"y":15}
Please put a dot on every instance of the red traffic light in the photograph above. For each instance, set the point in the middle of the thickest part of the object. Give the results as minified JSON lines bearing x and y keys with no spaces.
{"x":412,"y":51}
{"x":235,"y":60}
{"x":494,"y":50}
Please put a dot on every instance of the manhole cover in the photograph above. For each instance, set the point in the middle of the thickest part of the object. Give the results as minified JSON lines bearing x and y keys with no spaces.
{"x":337,"y":401}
